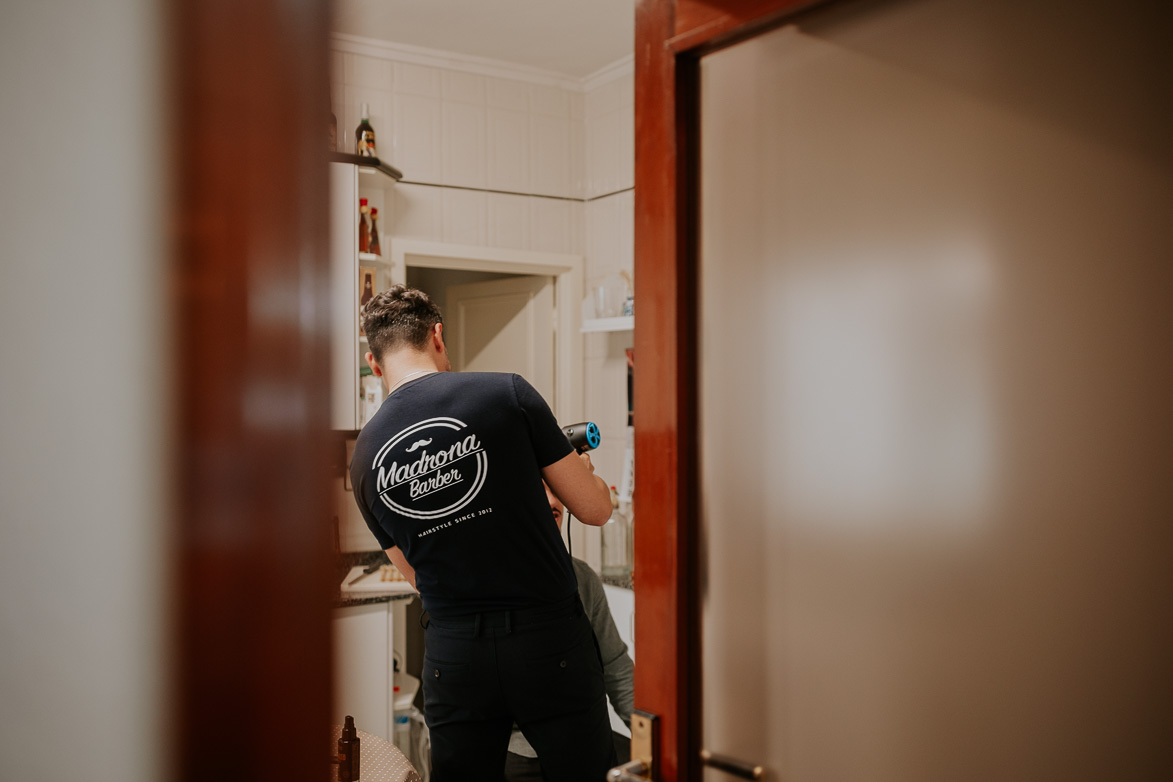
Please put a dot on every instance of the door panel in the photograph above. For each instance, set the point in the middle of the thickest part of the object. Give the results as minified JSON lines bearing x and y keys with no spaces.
{"x":504,"y":326}
{"x":934,"y":339}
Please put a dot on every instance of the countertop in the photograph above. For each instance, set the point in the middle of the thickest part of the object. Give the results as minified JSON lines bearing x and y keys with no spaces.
{"x":347,"y":561}
{"x":623,"y":582}
{"x":344,"y":570}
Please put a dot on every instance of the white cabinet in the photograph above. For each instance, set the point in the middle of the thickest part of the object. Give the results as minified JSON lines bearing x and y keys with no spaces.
{"x":362,"y":667}
{"x":367,"y":639}
{"x":350,"y":181}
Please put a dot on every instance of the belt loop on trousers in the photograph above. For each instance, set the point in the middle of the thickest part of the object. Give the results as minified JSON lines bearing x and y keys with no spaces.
{"x":476,"y":628}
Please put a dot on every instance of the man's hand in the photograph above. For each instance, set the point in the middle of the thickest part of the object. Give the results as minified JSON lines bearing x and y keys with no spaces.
{"x":585,"y":494}
{"x":400,"y":562}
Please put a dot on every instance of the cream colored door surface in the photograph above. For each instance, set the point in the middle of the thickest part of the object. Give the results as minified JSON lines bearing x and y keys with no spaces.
{"x":504,"y":326}
{"x":935,"y":420}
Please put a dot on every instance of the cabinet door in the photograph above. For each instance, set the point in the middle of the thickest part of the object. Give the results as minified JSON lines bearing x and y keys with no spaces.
{"x":344,"y":295}
{"x":362,"y":679}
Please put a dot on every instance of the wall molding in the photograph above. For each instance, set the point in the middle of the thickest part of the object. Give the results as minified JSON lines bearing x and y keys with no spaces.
{"x":482,"y":66}
{"x":624,"y":66}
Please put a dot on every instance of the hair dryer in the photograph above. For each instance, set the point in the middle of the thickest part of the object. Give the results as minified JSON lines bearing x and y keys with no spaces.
{"x":584,"y":437}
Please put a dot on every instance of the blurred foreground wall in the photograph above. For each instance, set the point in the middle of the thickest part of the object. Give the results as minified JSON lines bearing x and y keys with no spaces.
{"x":84,"y":389}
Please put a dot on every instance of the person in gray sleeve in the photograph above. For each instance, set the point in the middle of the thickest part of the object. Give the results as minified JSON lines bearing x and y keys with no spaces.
{"x":521,"y":764}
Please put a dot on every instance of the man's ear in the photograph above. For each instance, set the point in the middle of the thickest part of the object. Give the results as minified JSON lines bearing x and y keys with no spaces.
{"x":438,"y":336}
{"x":374,"y":365}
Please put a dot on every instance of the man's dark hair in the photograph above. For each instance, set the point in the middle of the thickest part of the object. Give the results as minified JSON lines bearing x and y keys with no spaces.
{"x":397,"y":317}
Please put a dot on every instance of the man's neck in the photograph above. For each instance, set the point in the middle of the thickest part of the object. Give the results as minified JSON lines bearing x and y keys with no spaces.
{"x":407,"y":365}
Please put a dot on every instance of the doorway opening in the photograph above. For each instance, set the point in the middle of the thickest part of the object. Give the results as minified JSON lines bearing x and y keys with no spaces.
{"x":505,"y":311}
{"x":495,"y":322}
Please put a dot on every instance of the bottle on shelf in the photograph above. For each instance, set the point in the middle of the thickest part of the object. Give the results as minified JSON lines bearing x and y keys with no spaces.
{"x":617,"y":541}
{"x":368,"y":286}
{"x":373,"y":244}
{"x":364,"y":230}
{"x":364,"y":135}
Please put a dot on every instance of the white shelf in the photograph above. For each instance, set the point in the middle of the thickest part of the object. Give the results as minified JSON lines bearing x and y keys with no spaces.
{"x":371,"y":257}
{"x":622,"y":323}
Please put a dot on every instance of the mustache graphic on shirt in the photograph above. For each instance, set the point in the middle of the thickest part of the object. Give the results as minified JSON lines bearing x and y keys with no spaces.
{"x":419,"y":444}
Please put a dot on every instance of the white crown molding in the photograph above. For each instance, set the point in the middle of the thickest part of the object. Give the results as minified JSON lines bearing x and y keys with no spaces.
{"x":482,"y":66}
{"x":624,"y":66}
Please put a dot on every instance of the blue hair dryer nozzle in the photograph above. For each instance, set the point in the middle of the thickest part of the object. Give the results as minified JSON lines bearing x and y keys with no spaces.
{"x":584,"y":437}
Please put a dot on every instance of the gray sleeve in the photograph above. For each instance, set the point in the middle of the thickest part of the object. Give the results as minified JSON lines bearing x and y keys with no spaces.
{"x":617,"y":665}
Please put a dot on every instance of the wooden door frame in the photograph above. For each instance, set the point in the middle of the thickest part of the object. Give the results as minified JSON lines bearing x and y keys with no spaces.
{"x":253,"y":566}
{"x":670,"y":38}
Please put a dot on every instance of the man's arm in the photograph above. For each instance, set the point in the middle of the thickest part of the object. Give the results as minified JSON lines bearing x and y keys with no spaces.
{"x":400,"y":561}
{"x":572,"y":479}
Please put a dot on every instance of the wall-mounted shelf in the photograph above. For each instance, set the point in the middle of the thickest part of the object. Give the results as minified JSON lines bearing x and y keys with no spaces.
{"x":372,"y":163}
{"x":373,"y":258}
{"x":622,"y":323}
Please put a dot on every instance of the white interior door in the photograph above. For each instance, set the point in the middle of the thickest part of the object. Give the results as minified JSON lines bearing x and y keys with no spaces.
{"x":934,"y":396}
{"x":504,"y":326}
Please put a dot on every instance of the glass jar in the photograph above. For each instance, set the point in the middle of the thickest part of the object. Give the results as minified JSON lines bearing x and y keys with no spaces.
{"x":618,"y":551}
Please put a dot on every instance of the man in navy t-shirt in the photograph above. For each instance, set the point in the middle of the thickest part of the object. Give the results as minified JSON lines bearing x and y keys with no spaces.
{"x":448,"y":475}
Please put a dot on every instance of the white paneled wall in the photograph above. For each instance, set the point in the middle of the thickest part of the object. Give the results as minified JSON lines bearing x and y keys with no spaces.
{"x":522,"y":140}
{"x":512,"y":163}
{"x":443,"y":126}
{"x":610,"y":248}
{"x":488,"y":219}
{"x":610,"y":136}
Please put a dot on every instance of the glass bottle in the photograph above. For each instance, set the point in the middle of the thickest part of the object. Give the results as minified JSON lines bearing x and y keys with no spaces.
{"x":364,"y":230}
{"x":374,"y":241}
{"x":364,"y":135}
{"x":617,"y":540}
{"x":349,"y":750}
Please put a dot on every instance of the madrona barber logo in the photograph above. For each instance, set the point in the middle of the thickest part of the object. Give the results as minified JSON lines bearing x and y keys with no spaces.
{"x":431,"y":469}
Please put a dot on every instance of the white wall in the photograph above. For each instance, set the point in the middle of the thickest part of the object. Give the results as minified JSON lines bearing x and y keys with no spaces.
{"x":83,"y":421}
{"x":455,"y":134}
{"x":610,"y":249}
{"x":503,"y":156}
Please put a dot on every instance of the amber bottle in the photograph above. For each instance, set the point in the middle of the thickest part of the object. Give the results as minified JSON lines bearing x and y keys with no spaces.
{"x":364,"y":229}
{"x":373,"y":244}
{"x":348,"y":752}
{"x":364,"y":136}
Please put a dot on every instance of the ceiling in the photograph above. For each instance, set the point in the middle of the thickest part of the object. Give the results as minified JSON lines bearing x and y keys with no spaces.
{"x":572,"y":37}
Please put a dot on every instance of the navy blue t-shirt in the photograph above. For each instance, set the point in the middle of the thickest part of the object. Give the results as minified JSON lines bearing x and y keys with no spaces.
{"x":449,"y":470}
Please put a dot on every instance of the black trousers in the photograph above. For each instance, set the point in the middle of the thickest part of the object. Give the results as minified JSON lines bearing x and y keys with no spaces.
{"x":540,"y":668}
{"x":522,"y":769}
